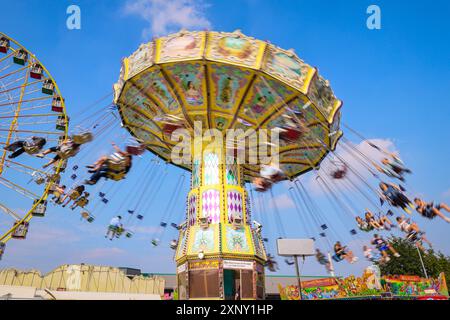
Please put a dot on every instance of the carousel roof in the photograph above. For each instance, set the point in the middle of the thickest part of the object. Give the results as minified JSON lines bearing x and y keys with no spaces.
{"x":227,"y":80}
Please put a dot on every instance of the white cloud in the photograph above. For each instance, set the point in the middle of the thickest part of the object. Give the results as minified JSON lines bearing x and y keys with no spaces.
{"x":355,"y":161}
{"x":166,"y":16}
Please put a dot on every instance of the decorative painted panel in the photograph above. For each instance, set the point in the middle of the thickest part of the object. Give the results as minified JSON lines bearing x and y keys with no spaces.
{"x":189,"y":78}
{"x":192,"y":209}
{"x":322,"y":95}
{"x":206,"y":240}
{"x":236,"y":48}
{"x":196,"y":173}
{"x":141,"y":59}
{"x":237,"y":240}
{"x":266,"y":95}
{"x":211,"y":205}
{"x":181,"y":46}
{"x":286,"y":66}
{"x":234,"y":204}
{"x":211,"y":169}
{"x":155,"y":85}
{"x":232,"y":173}
{"x":229,"y":83}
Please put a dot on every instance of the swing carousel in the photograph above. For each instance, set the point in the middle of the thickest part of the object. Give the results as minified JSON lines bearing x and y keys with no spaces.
{"x":32,"y":114}
{"x":198,"y":81}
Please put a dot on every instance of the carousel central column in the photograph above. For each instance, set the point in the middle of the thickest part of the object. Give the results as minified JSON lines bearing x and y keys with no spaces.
{"x":219,"y":255}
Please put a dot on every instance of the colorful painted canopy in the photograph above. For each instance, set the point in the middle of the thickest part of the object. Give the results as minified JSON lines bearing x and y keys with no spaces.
{"x":227,"y":80}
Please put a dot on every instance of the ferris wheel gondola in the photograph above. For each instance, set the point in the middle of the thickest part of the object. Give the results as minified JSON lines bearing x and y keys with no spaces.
{"x":32,"y":115}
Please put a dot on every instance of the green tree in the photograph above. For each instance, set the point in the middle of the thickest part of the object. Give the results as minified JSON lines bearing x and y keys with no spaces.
{"x":409,"y":262}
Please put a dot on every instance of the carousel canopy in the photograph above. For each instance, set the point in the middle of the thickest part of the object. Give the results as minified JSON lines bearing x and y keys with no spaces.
{"x":227,"y":80}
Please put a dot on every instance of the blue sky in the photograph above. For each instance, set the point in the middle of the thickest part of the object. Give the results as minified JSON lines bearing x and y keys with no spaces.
{"x":394,"y":83}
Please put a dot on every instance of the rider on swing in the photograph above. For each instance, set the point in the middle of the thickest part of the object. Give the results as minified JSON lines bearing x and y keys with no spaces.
{"x":395,"y":196}
{"x":116,"y":165}
{"x":115,"y":228}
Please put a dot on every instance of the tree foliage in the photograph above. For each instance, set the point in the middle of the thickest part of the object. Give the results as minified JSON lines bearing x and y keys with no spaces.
{"x":409,"y":262}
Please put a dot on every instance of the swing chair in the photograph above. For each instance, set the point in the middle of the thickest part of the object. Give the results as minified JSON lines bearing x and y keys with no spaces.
{"x":82,"y":136}
{"x":173,"y":244}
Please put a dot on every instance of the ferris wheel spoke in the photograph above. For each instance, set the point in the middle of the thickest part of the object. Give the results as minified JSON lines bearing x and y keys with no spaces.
{"x":35,"y":131}
{"x":24,"y":101}
{"x":15,"y":72}
{"x":21,"y":190}
{"x":36,"y":115}
{"x":27,"y":93}
{"x":10,"y":212}
{"x":29,"y":84}
{"x":26,"y":166}
{"x":9,"y":55}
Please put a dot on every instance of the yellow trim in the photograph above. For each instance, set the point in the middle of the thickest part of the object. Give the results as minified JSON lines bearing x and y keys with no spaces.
{"x":337,"y":105}
{"x":309,"y":76}
{"x":158,"y":50}
{"x":126,"y":69}
{"x":260,"y":56}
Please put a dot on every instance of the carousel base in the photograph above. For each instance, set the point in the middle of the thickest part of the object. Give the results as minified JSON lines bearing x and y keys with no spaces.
{"x":220,"y":279}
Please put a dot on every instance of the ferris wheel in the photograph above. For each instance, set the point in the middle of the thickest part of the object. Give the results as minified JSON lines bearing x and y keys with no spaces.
{"x":32,"y":117}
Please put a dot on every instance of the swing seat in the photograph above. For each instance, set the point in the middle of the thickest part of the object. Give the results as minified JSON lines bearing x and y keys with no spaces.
{"x":337,"y":258}
{"x":155,"y":242}
{"x":135,"y":150}
{"x":21,"y":231}
{"x":128,"y":234}
{"x":38,"y":179}
{"x":73,"y":177}
{"x":74,"y":195}
{"x":67,"y":150}
{"x":82,"y":202}
{"x":116,"y":162}
{"x":163,"y":224}
{"x":289,"y":262}
{"x":116,"y":176}
{"x":290,"y":134}
{"x":169,"y":128}
{"x":31,"y":148}
{"x":173,"y":244}
{"x":139,"y":217}
{"x":118,"y":231}
{"x":83,"y":138}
